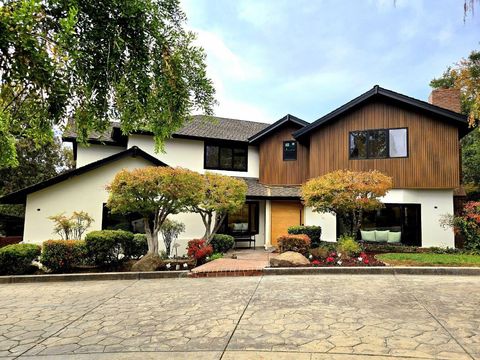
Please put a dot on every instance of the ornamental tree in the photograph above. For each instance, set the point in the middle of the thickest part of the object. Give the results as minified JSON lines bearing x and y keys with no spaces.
{"x":347,"y":194}
{"x":155,"y":193}
{"x":220,"y":195}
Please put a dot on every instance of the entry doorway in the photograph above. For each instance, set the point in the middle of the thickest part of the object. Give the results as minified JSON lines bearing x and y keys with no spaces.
{"x":284,"y":215}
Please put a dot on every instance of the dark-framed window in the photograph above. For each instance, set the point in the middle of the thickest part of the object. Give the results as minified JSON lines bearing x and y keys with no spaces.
{"x":378,"y":144}
{"x":243,"y":221}
{"x":290,"y":150}
{"x":225,"y":156}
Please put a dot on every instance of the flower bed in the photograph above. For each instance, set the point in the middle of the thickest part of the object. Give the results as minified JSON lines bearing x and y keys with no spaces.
{"x":336,"y":259}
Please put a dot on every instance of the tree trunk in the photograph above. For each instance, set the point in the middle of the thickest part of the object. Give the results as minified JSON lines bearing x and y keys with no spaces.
{"x":152,"y":236}
{"x":207,"y":221}
{"x":219,"y":218}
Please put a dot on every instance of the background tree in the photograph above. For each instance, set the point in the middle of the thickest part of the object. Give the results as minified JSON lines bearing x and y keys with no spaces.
{"x":220,"y":195}
{"x":35,"y":164}
{"x":170,"y":230}
{"x":466,"y":76}
{"x":347,"y":194}
{"x":94,"y":61}
{"x":155,"y":193}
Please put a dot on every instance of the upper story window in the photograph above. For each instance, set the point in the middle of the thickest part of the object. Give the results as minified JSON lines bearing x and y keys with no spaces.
{"x":290,"y":150}
{"x":378,"y":144}
{"x":226,"y":156}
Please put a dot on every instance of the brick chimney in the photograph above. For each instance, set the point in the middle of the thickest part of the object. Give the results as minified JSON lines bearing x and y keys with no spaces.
{"x":446,"y":98}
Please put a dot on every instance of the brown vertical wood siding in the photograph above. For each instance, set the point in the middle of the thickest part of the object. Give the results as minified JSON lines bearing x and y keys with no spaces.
{"x":433,"y":147}
{"x":273,"y":169}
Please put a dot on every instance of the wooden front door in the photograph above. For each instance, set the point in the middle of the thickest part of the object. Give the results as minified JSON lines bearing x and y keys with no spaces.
{"x":284,"y":215}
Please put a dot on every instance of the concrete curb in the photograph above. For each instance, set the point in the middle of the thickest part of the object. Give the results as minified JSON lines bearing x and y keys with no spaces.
{"x":375,"y":270}
{"x":15,"y":279}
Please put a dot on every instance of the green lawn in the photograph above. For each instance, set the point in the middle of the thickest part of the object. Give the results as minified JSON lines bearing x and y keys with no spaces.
{"x":429,"y":259}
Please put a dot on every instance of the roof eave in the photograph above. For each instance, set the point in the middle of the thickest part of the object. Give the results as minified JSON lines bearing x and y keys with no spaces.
{"x":254,"y":139}
{"x":460,"y":120}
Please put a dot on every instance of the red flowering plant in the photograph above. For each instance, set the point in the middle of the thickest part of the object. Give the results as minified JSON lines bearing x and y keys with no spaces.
{"x":467,"y":224}
{"x":199,"y":250}
{"x":316,"y":262}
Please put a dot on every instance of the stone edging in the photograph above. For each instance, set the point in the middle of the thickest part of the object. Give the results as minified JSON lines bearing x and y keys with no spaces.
{"x":374,"y":270}
{"x":93,"y":276}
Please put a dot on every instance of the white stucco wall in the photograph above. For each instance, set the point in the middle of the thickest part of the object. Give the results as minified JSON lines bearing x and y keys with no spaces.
{"x":189,"y":154}
{"x":92,"y":153}
{"x":328,"y":223}
{"x":434,"y":204}
{"x":84,"y":192}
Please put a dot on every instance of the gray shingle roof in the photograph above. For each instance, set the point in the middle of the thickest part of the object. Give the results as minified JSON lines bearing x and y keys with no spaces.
{"x":200,"y":126}
{"x":255,"y":189}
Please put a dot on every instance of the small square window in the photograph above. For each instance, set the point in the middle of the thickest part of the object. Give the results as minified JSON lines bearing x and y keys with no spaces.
{"x":289,"y":150}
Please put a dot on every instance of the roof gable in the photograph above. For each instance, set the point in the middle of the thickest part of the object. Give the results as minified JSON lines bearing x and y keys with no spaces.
{"x":383,"y":94}
{"x":255,"y":139}
{"x":19,"y":196}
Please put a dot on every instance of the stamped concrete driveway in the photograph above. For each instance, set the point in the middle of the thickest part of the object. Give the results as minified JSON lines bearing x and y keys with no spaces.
{"x":279,"y":317}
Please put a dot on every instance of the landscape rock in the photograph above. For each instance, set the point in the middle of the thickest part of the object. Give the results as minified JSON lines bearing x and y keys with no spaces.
{"x":289,"y":258}
{"x":150,"y":262}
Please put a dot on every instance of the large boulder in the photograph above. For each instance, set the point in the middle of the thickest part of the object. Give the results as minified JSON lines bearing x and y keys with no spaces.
{"x":288,"y":259}
{"x":150,"y":262}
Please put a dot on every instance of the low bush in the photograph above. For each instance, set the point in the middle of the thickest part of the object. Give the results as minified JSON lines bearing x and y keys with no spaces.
{"x":467,"y":224}
{"x":387,"y":248}
{"x":348,"y":246}
{"x":62,"y":255}
{"x":222,"y":243}
{"x":199,"y":249}
{"x":17,"y":259}
{"x":216,"y":256}
{"x":135,"y":247}
{"x":312,"y":231}
{"x":298,"y":243}
{"x":105,"y":246}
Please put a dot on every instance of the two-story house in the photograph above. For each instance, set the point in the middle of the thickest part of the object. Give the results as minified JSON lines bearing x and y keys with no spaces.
{"x":414,"y":142}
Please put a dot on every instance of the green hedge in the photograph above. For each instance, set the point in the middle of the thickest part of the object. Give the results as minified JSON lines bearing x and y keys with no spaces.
{"x":312,"y":231}
{"x":17,"y":259}
{"x":222,"y":243}
{"x":105,"y":246}
{"x":62,"y":255}
{"x":135,"y":248}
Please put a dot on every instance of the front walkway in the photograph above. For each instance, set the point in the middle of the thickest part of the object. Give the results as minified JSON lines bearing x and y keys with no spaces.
{"x":274,"y":317}
{"x":247,"y":262}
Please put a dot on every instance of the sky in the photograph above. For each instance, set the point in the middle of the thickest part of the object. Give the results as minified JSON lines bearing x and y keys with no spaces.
{"x":268,"y":58}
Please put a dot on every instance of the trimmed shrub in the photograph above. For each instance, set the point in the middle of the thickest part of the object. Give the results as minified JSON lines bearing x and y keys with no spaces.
{"x":348,"y":247}
{"x":62,"y":255}
{"x":222,"y":243}
{"x":199,"y":249}
{"x":17,"y":259}
{"x":312,"y":231}
{"x":105,"y":246}
{"x":136,"y":247}
{"x":216,"y":256}
{"x":298,"y":243}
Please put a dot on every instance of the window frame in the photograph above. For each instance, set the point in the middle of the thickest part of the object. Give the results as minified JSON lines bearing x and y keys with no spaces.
{"x":256,"y":213}
{"x":367,"y":148}
{"x":296,"y":149}
{"x":225,"y":145}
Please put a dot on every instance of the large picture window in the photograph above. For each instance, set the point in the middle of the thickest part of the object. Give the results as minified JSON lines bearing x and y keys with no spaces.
{"x":225,"y":157}
{"x":378,"y":144}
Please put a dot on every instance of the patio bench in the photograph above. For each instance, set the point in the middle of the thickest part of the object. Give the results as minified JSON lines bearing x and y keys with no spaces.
{"x":250,"y":238}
